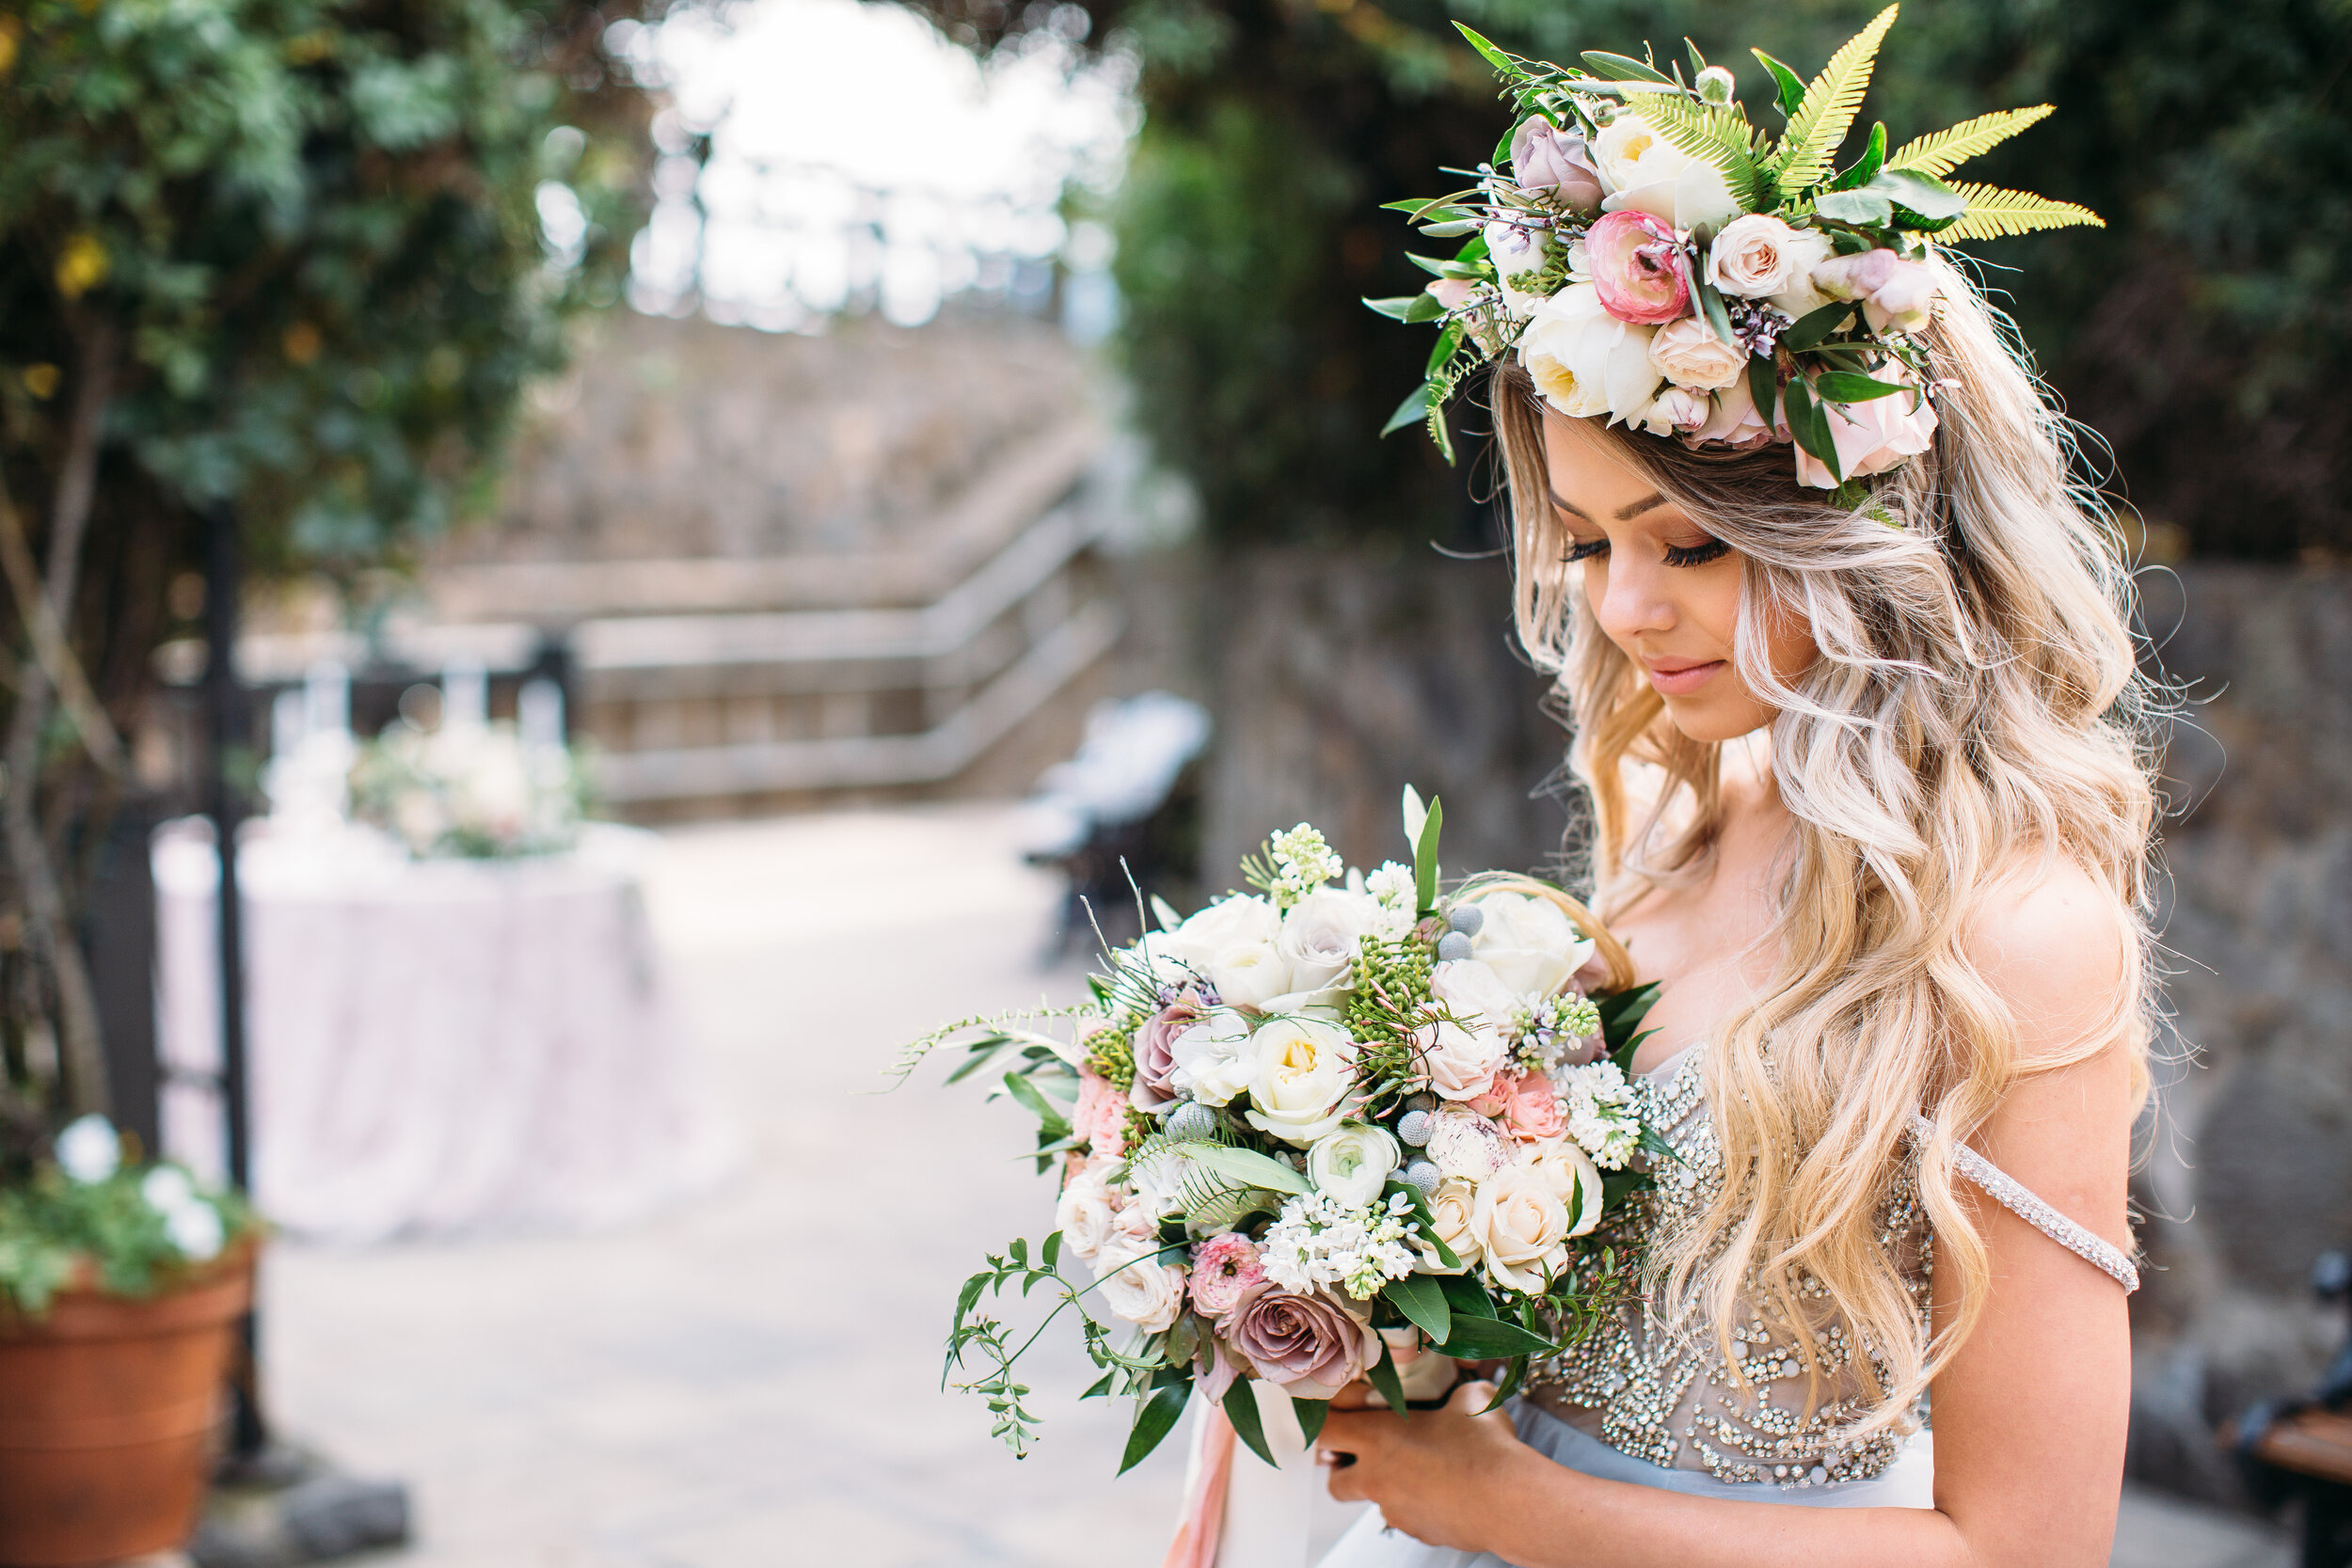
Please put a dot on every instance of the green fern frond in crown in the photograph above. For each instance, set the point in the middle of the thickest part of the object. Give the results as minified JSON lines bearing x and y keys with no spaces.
{"x":1819,"y":126}
{"x":1944,"y":151}
{"x":1995,"y":213}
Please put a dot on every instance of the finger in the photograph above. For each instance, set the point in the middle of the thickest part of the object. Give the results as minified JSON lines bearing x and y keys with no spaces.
{"x":1469,"y":1398}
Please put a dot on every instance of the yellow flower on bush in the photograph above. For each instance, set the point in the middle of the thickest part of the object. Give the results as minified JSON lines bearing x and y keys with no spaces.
{"x":82,"y":265}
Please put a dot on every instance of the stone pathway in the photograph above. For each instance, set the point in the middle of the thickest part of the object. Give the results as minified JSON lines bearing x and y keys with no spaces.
{"x":752,"y":1379}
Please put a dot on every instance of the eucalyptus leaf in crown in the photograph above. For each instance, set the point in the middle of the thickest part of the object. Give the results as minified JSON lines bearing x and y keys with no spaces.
{"x":1654,"y":258}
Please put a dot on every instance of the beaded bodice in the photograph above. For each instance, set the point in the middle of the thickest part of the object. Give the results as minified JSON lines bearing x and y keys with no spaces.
{"x":1667,"y":1394}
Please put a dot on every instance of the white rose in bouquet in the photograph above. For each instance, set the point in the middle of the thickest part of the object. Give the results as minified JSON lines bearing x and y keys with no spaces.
{"x":1085,"y":1212}
{"x":1460,"y":1062}
{"x":1585,"y":361}
{"x":1301,"y":1069}
{"x":1572,"y":1177}
{"x":1213,"y":1059}
{"x":1352,"y":1164}
{"x":1471,"y":989}
{"x":1319,"y":936}
{"x":1529,"y":942}
{"x":1146,"y":1294}
{"x":1522,"y":1227}
{"x":1451,"y":1207}
{"x":1239,"y":919}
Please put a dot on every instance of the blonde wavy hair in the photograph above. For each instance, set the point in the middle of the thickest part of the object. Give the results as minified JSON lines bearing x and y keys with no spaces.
{"x":1976,"y":694}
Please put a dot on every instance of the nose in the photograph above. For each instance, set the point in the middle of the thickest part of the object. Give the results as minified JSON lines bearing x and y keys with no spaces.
{"x":1634,"y":600}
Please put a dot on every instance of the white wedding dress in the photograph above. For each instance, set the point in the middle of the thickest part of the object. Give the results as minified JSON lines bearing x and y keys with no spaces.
{"x":1635,"y":1402}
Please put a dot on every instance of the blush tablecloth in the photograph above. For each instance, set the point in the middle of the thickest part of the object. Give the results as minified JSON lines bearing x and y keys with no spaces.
{"x":434,"y":1048}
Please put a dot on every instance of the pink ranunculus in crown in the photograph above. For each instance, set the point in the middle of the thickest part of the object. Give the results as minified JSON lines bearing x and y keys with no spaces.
{"x":1642,"y":274}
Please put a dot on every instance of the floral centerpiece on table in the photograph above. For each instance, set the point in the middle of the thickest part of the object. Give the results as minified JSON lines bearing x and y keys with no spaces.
{"x":1314,"y":1130}
{"x":469,"y":791}
{"x":1655,"y":259}
{"x":86,"y":1216}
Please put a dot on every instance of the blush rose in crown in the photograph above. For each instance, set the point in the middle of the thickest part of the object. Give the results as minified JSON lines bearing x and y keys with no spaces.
{"x":1321,"y":1127}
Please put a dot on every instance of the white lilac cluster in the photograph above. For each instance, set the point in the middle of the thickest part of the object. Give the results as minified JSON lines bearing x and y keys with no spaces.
{"x":1598,"y":1104}
{"x":1548,"y":1027}
{"x":1303,"y":862}
{"x":1655,"y":260}
{"x":1318,"y":1242}
{"x":1391,"y":886}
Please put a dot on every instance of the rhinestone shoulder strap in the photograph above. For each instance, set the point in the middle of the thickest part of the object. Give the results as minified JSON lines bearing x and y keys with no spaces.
{"x":2001,"y":1187}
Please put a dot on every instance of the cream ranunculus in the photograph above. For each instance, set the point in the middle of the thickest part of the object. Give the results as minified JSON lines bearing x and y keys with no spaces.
{"x":1212,"y":1062}
{"x":1675,"y":409}
{"x":1147,"y":1294}
{"x":1459,"y":1062}
{"x":1451,"y":1207}
{"x":1300,"y":1071}
{"x":1572,"y":1177}
{"x":1529,"y":942}
{"x":1231,"y":944}
{"x":1471,"y":989}
{"x":1647,"y":173}
{"x":1586,"y":362}
{"x":1522,"y":1227}
{"x":1319,"y":935}
{"x":1085,"y":1212}
{"x":1688,"y":354}
{"x":1352,"y":1164}
{"x":1755,"y":257}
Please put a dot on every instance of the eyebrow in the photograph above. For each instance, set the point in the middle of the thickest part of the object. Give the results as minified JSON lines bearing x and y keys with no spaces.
{"x":1650,"y":502}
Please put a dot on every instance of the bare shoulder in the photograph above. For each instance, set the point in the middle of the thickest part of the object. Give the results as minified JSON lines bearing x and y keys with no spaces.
{"x":2055,"y":946}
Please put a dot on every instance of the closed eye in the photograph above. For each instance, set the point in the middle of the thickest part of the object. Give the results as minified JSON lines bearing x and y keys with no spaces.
{"x":1584,"y":550}
{"x":1696,"y":555}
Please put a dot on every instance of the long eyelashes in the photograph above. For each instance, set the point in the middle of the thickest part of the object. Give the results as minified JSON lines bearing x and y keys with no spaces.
{"x":1676,"y":555}
{"x":1696,"y":555}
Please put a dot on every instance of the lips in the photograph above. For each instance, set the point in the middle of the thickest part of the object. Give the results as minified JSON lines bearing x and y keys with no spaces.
{"x":1679,"y":677}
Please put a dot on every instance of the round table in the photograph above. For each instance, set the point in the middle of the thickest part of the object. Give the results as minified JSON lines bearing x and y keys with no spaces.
{"x":433,"y":1047}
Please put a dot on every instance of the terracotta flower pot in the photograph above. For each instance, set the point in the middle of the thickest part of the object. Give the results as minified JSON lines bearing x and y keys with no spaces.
{"x":108,"y":1408}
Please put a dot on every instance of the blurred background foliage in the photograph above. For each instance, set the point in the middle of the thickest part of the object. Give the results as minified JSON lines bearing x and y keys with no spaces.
{"x":2206,"y":335}
{"x":298,"y":258}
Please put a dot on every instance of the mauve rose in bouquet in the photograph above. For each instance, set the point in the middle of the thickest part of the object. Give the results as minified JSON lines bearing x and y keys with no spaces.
{"x":1314,"y":1132}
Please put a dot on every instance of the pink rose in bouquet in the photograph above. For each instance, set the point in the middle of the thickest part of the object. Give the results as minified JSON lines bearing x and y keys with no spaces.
{"x":1308,"y":1345}
{"x":1639,"y":267}
{"x":1100,"y":1116}
{"x":1872,"y":436}
{"x":1893,"y":292}
{"x":1155,"y":1053}
{"x":1544,"y":158}
{"x":1531,"y":1108}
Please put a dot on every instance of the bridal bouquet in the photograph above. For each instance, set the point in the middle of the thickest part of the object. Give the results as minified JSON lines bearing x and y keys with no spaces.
{"x":469,"y":792}
{"x":1312,"y":1131}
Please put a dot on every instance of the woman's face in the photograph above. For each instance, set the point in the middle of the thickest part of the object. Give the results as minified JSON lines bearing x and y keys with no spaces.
{"x":1659,"y":586}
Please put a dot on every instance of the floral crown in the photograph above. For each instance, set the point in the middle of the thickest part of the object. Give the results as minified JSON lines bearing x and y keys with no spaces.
{"x":1654,"y":258}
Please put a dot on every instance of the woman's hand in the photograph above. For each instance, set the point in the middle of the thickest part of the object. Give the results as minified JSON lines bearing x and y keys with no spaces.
{"x":1435,"y":1475}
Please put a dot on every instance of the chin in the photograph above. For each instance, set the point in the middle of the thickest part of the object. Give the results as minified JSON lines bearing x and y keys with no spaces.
{"x":1711,"y":722}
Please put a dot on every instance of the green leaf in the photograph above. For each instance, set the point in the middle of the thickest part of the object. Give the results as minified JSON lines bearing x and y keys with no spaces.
{"x":1711,"y":303}
{"x":1791,"y":85}
{"x":1513,"y":1376}
{"x":1397,"y":308}
{"x":1422,"y":1299}
{"x":1423,"y":308}
{"x":1866,"y":166}
{"x":1942,"y":151}
{"x":1811,"y":426}
{"x":1311,"y":1414}
{"x":1248,"y":1165}
{"x":1466,"y":1296}
{"x":1763,"y":385}
{"x":1868,"y":209}
{"x":1623,"y":68}
{"x":1052,"y":1121}
{"x":1491,"y":1339}
{"x":1429,"y":1222}
{"x":1425,"y":858}
{"x":1383,"y":1377}
{"x":1495,"y":57}
{"x":1154,"y":1419}
{"x":1412,"y":411}
{"x":983,"y":1052}
{"x":1241,"y":1408}
{"x":1049,"y":1256}
{"x":1814,"y":326}
{"x":1448,"y":341}
{"x":1819,"y":123}
{"x":1924,"y":201}
{"x":1995,"y":213}
{"x":1698,"y":61}
{"x":1845,"y":387}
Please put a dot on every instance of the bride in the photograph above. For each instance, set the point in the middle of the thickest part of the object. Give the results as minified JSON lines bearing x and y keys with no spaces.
{"x":1872,"y":805}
